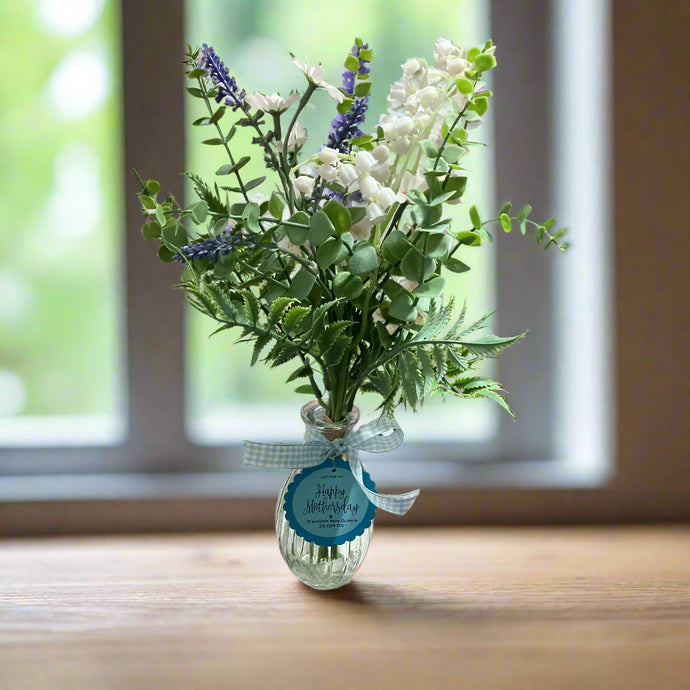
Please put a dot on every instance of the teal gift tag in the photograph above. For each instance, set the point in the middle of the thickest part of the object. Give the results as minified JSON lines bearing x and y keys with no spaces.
{"x":326,"y":506}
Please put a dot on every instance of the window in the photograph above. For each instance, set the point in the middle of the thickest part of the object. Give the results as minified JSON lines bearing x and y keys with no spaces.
{"x":537,"y":138}
{"x":61,"y":223}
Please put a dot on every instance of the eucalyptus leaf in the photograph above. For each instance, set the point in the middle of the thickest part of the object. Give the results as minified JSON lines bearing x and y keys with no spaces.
{"x":364,"y":259}
{"x":320,"y":228}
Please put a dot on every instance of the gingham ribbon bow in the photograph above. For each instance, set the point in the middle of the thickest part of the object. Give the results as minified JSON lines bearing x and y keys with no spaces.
{"x":373,"y":437}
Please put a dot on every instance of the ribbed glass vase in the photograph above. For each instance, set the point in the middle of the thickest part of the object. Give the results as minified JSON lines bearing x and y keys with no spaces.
{"x":320,"y":567}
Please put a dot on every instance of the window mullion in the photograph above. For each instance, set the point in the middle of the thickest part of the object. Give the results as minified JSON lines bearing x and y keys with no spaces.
{"x":523,"y":117}
{"x":153,"y":44}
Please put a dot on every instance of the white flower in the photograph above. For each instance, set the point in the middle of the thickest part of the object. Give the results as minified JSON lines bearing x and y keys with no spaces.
{"x":298,"y":137}
{"x":361,"y":230}
{"x":374,"y":213}
{"x":443,"y":50}
{"x":328,"y":155}
{"x":381,"y":153}
{"x":271,"y":104}
{"x":347,"y":174}
{"x":412,"y":66}
{"x":368,"y":186}
{"x":385,"y":197}
{"x":456,"y":66}
{"x":315,"y":76}
{"x":364,"y":161}
{"x":410,"y":181}
{"x":328,"y":172}
{"x":304,"y":184}
{"x":381,"y":172}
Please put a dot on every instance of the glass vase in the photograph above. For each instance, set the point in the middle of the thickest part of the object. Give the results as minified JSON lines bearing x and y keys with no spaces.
{"x":320,"y":566}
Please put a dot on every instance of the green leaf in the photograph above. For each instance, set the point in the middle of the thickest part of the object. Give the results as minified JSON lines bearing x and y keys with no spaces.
{"x":505,"y":222}
{"x":152,"y":187}
{"x":471,"y":239}
{"x":160,"y":215}
{"x":296,"y":319}
{"x":305,"y":388}
{"x":347,"y":285}
{"x":451,"y":153}
{"x":524,"y":212}
{"x":252,"y":184}
{"x":402,"y":308}
{"x":366,"y":54}
{"x":194,"y":91}
{"x":364,"y":259}
{"x":484,"y":62}
{"x":548,"y":223}
{"x":415,"y":266}
{"x":225,"y":266}
{"x":472,"y":54}
{"x":456,"y":185}
{"x":229,"y":169}
{"x":165,"y":254}
{"x":505,"y":208}
{"x":217,"y":115}
{"x":303,"y":370}
{"x":147,"y":202}
{"x":362,"y":89}
{"x":395,"y":246}
{"x":259,"y":344}
{"x":151,"y":230}
{"x":464,"y":85}
{"x":196,"y":73}
{"x":327,"y":253}
{"x":351,"y":63}
{"x":338,"y":215}
{"x":250,"y":217}
{"x":174,"y":235}
{"x":429,"y":148}
{"x":301,"y":283}
{"x":480,"y":105}
{"x":432,"y":288}
{"x":474,"y":217}
{"x":199,"y":212}
{"x":214,"y":142}
{"x":277,"y":310}
{"x":357,"y":213}
{"x":320,"y":228}
{"x":438,"y":245}
{"x":455,"y":265}
{"x":298,"y":235}
{"x":276,"y":206}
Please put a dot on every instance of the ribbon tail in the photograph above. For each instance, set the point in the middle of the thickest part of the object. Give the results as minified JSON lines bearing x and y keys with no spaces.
{"x":398,"y":504}
{"x":284,"y":455}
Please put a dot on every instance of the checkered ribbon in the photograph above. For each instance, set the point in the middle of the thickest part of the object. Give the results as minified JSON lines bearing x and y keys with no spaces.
{"x":378,"y":436}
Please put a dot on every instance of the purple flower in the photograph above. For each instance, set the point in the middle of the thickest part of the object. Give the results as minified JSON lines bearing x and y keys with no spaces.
{"x":218,"y":72}
{"x":212,"y":248}
{"x":346,"y":126}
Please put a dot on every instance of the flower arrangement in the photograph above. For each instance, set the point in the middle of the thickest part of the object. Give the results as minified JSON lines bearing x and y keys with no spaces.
{"x":343,"y":268}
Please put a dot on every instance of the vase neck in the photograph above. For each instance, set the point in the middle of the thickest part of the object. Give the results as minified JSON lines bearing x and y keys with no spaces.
{"x":315,"y":419}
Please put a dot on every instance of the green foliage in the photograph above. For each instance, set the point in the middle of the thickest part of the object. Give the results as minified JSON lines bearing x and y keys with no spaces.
{"x":360,"y":311}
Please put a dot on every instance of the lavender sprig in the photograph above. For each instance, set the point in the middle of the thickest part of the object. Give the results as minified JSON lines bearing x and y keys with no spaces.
{"x":212,"y":248}
{"x":218,"y":72}
{"x":346,"y":126}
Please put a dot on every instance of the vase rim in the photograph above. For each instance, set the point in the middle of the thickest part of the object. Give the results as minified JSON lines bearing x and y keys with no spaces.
{"x":314,"y":416}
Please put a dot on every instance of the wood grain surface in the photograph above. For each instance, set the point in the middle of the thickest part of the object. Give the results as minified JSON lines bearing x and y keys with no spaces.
{"x":440,"y":608}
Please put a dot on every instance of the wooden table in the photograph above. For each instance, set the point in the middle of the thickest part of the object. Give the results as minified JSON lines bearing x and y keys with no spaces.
{"x":489,"y":608}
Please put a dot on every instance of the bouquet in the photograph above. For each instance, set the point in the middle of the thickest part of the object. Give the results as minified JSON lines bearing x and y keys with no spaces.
{"x":342,"y":270}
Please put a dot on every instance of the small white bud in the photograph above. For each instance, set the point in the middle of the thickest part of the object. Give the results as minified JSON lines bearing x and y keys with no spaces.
{"x":374,"y":213}
{"x":368,"y":186}
{"x":304,"y":184}
{"x":381,"y":153}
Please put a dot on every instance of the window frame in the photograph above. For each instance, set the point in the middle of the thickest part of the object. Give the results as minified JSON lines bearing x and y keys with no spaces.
{"x":521,"y":489}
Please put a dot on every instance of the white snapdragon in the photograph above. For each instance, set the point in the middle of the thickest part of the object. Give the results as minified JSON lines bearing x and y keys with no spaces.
{"x":374,"y":213}
{"x":271,"y":104}
{"x":315,"y":76}
{"x":298,"y":137}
